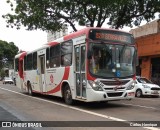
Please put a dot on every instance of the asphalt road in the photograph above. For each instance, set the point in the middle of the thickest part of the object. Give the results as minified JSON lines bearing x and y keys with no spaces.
{"x":15,"y":106}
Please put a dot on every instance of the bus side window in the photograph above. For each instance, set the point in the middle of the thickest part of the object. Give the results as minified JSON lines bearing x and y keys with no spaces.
{"x":66,"y":60}
{"x":29,"y":62}
{"x":66,"y":53}
{"x":35,"y":60}
{"x":55,"y":56}
{"x":47,"y":58}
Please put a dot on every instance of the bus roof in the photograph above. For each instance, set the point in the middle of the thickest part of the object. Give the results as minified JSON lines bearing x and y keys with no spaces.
{"x":67,"y":37}
{"x":21,"y":55}
{"x":80,"y":33}
{"x":40,"y":48}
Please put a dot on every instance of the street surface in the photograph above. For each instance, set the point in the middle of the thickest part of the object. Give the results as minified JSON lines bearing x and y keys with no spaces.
{"x":15,"y":106}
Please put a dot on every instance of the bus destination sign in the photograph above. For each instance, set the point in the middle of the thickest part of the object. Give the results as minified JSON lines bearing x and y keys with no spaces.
{"x":111,"y":36}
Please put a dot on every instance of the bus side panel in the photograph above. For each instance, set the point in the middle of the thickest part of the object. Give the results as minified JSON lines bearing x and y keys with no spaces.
{"x":18,"y":80}
{"x":33,"y":78}
{"x":71,"y":81}
{"x":54,"y":78}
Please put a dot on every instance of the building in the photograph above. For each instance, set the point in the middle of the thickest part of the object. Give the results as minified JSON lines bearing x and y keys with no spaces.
{"x":147,"y":29}
{"x":148,"y":45}
{"x":51,"y":36}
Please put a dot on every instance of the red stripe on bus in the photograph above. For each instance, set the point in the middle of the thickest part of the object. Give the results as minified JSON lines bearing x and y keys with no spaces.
{"x":66,"y":73}
{"x":65,"y":77}
{"x":53,"y":43}
{"x":89,"y":77}
{"x":76,"y":34}
{"x":20,"y":72}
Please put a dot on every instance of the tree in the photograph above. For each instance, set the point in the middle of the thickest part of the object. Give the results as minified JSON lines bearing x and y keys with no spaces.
{"x":50,"y":15}
{"x":7,"y":53}
{"x":132,"y":12}
{"x":2,"y":73}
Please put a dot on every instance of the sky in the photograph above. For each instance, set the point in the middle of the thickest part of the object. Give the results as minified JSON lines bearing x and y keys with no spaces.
{"x":25,"y":40}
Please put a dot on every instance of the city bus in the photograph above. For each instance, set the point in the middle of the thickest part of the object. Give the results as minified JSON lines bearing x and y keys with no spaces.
{"x":90,"y":65}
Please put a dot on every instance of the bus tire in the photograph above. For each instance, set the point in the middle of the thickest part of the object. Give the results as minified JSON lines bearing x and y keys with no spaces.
{"x":68,"y":95}
{"x":29,"y":89}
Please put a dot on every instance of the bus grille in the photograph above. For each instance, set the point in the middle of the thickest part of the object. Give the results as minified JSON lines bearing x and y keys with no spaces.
{"x":111,"y":83}
{"x":115,"y":94}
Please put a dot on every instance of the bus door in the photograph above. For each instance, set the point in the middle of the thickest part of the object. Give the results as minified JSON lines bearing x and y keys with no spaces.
{"x":80,"y":71}
{"x":41,"y":71}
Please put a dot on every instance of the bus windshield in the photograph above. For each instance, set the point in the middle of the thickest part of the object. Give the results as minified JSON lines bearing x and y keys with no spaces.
{"x":111,"y":60}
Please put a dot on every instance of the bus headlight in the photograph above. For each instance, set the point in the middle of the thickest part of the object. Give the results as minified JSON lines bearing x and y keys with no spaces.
{"x":95,"y":85}
{"x":131,"y":86}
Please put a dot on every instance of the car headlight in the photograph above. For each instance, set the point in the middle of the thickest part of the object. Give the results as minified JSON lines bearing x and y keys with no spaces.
{"x":146,"y":86}
{"x":131,"y":86}
{"x":95,"y":85}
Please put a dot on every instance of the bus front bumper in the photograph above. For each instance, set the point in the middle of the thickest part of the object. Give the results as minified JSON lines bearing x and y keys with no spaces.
{"x":93,"y":95}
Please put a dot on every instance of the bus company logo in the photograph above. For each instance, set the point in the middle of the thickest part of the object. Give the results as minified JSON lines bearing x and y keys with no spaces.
{"x":51,"y":78}
{"x":119,"y":84}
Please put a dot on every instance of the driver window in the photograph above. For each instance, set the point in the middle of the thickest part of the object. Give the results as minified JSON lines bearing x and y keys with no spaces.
{"x":95,"y":60}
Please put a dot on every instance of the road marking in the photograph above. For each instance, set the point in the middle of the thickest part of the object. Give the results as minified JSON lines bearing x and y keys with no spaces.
{"x":81,"y":110}
{"x":148,"y":99}
{"x":140,"y":106}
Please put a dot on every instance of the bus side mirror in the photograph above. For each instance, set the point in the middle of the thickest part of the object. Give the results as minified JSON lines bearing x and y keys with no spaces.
{"x":89,"y":54}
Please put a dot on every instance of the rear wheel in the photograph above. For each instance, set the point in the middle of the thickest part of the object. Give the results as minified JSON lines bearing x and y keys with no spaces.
{"x":68,"y":95}
{"x":139,"y":93}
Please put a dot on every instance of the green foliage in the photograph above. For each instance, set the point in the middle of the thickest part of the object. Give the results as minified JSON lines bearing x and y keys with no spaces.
{"x":2,"y":73}
{"x":132,"y":12}
{"x":7,"y":53}
{"x":52,"y":14}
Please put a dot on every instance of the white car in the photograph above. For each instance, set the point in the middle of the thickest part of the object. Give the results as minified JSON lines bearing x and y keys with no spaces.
{"x":146,"y":87}
{"x":8,"y":80}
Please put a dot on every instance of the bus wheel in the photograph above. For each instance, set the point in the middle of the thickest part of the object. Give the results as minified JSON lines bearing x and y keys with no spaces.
{"x":68,"y":95}
{"x":29,"y":89}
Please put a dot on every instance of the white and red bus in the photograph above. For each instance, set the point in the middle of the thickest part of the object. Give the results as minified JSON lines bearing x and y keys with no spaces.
{"x":93,"y":64}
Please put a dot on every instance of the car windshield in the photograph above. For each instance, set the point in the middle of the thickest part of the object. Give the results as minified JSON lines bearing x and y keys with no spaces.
{"x":143,"y":80}
{"x":111,"y":60}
